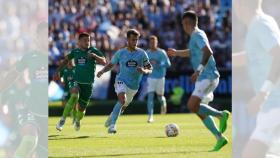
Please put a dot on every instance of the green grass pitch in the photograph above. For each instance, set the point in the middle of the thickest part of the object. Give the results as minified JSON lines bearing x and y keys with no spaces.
{"x":135,"y":138}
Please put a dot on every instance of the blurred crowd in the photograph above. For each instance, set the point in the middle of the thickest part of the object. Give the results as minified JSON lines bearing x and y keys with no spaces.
{"x":108,"y":20}
{"x":18,"y":20}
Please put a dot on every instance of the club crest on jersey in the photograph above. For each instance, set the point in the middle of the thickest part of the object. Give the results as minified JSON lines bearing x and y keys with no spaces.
{"x":131,"y":63}
{"x":81,"y":61}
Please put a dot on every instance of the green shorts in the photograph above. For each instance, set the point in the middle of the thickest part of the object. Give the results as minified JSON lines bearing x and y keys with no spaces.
{"x":85,"y":91}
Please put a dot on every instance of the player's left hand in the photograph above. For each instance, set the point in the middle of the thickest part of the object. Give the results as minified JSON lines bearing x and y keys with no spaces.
{"x":256,"y":102}
{"x":140,"y":69}
{"x":194,"y":76}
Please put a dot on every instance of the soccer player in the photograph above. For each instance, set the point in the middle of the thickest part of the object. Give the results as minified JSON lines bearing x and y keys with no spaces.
{"x":156,"y":79}
{"x":205,"y":77}
{"x":133,"y":62}
{"x":85,"y":58}
{"x":67,"y":75}
{"x":33,"y":116}
{"x":261,"y":57}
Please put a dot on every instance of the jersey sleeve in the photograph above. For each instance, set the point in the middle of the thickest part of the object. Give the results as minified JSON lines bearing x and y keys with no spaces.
{"x":146,"y":61}
{"x":70,"y":55}
{"x":116,"y":58}
{"x":97,"y":52}
{"x":201,"y":40}
{"x":269,"y":36}
{"x":165,"y":60}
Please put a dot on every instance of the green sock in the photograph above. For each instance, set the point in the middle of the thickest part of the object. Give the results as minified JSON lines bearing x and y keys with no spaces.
{"x":69,"y":105}
{"x":210,"y":124}
{"x":26,"y":147}
{"x":80,"y":114}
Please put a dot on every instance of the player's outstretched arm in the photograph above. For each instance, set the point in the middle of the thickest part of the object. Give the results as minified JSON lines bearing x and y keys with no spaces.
{"x":56,"y":75}
{"x":99,"y":59}
{"x":180,"y":53}
{"x":106,"y":68}
{"x":207,"y":52}
{"x":146,"y":69}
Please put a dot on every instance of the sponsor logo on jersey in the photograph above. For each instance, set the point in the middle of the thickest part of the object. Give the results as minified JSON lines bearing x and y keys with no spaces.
{"x":131,"y":63}
{"x":81,"y":61}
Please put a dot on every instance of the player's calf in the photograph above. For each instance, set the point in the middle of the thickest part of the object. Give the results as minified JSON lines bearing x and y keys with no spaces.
{"x":193,"y":104}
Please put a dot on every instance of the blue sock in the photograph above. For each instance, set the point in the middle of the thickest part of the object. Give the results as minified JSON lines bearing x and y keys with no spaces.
{"x":150,"y":103}
{"x":206,"y":110}
{"x":116,"y":112}
{"x":210,"y":124}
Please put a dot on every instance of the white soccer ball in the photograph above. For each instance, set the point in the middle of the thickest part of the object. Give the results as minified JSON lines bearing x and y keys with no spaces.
{"x":172,"y":130}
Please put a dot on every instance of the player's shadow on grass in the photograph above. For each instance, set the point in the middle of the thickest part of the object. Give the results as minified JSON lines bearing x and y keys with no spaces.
{"x":57,"y":137}
{"x":132,"y":154}
{"x":160,"y":137}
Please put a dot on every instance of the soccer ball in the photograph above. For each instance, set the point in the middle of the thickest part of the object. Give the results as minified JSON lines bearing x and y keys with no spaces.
{"x":172,"y":130}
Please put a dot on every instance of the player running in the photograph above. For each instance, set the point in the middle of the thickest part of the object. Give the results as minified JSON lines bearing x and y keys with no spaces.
{"x":205,"y":77}
{"x":133,"y":62}
{"x":156,"y":80}
{"x":67,"y":74}
{"x":85,"y":58}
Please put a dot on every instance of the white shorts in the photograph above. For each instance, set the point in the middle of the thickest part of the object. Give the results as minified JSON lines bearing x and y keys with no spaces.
{"x":120,"y":86}
{"x":267,"y":127}
{"x":204,"y":90}
{"x":156,"y":85}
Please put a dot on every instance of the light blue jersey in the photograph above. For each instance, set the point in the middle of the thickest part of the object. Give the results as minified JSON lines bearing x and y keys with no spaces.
{"x":128,"y":62}
{"x":197,"y":42}
{"x":263,"y":34}
{"x":162,"y":62}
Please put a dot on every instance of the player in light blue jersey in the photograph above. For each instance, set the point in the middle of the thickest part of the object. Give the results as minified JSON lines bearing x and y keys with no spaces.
{"x":205,"y":77}
{"x":261,"y":56}
{"x":133,"y":62}
{"x":156,"y":79}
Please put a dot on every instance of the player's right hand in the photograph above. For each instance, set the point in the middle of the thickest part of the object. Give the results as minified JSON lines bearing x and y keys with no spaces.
{"x":171,"y":52}
{"x":99,"y":73}
{"x":56,"y":76}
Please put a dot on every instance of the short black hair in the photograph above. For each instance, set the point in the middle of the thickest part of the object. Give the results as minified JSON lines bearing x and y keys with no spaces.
{"x":191,"y":15}
{"x":132,"y":32}
{"x":83,"y":34}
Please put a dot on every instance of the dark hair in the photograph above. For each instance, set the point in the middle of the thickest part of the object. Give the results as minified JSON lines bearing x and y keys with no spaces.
{"x":132,"y":32}
{"x":84,"y":34}
{"x":153,"y":37}
{"x":191,"y":15}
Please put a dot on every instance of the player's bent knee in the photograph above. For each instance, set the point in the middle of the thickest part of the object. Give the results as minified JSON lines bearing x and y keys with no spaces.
{"x":74,"y":90}
{"x":80,"y":108}
{"x":122,"y":99}
{"x":193,"y":104}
